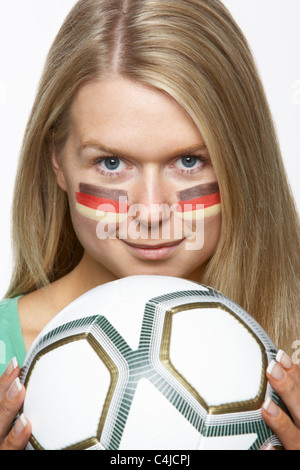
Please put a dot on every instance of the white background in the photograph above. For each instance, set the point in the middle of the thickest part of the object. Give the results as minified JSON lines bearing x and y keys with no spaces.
{"x":27,"y":29}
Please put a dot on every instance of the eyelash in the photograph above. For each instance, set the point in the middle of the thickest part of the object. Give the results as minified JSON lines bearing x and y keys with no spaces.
{"x":182,"y":171}
{"x":109,"y":174}
{"x":191,"y":171}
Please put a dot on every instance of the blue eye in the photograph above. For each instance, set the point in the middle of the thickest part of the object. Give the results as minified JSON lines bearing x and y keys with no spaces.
{"x":189,"y":161}
{"x":112,"y":164}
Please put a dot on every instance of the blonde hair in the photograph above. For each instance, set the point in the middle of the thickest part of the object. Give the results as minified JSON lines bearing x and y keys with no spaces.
{"x":194,"y":51}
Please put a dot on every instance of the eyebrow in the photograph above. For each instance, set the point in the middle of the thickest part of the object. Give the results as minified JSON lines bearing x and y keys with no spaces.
{"x":95,"y":145}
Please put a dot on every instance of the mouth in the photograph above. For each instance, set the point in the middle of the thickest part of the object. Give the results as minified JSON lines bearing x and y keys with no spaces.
{"x":154,"y":252}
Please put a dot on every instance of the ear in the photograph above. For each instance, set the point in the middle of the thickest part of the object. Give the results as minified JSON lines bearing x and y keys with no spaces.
{"x":57,"y":167}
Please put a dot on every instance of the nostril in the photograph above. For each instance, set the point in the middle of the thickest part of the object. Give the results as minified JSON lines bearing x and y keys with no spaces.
{"x":151,"y":214}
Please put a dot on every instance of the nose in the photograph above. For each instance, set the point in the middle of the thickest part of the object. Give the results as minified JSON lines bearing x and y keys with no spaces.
{"x":151,"y":200}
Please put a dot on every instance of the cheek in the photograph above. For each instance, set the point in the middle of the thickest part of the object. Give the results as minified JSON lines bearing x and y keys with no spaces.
{"x":101,"y":204}
{"x":212,"y":232}
{"x":199,"y":208}
{"x":97,"y":213}
{"x":202,"y":235}
{"x":84,"y":227}
{"x":212,"y":229}
{"x":83,"y":220}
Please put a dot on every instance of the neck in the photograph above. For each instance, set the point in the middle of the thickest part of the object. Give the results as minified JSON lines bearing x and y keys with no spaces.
{"x":88,"y":274}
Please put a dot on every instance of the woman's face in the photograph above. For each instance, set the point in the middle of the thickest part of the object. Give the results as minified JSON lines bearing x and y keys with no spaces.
{"x":142,"y":190}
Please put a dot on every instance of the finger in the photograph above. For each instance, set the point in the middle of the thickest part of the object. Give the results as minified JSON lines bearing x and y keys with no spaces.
{"x":281,"y":425}
{"x":287,"y":387}
{"x":18,"y":436}
{"x":6,"y":379}
{"x":287,"y":363}
{"x":10,"y":405}
{"x":269,"y":447}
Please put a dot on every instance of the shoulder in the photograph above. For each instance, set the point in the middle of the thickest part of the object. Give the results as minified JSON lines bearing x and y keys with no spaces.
{"x":37,"y":308}
{"x":8,"y":310}
{"x":11,"y":340}
{"x":23,"y":318}
{"x":7,"y":304}
{"x":8,"y":314}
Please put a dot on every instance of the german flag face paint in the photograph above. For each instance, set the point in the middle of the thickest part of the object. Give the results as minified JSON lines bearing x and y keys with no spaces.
{"x":199,"y":202}
{"x":102,"y":204}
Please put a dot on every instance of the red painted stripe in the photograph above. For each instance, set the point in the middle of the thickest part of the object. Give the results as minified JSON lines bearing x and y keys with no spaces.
{"x":93,"y":202}
{"x":207,"y":201}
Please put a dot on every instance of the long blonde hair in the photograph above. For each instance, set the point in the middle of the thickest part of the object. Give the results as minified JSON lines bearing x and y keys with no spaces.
{"x":194,"y":51}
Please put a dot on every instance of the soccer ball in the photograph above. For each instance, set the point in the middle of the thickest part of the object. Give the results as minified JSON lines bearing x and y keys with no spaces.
{"x":149,"y":362}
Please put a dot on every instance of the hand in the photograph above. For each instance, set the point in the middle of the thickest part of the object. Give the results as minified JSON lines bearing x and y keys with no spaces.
{"x":12,"y":394}
{"x":284,"y":377}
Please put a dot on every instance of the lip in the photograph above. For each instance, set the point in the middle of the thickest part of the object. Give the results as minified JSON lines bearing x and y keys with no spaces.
{"x":154,"y":252}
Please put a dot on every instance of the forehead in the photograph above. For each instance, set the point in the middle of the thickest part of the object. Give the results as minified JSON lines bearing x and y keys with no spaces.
{"x":121,"y":113}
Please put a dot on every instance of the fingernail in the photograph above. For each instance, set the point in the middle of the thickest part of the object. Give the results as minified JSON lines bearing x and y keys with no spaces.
{"x":275,"y":370}
{"x":11,"y":366}
{"x":284,"y":359}
{"x":14,"y":389}
{"x":270,"y":407}
{"x":20,"y":424}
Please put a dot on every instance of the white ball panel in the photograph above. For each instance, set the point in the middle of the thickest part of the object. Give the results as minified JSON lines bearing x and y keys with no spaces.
{"x":230,"y":360}
{"x":126,"y":315}
{"x":153,"y":423}
{"x":239,"y":442}
{"x":153,"y":286}
{"x":65,"y":395}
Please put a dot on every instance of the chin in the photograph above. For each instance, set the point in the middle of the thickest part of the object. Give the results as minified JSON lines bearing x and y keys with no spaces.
{"x":154,"y":269}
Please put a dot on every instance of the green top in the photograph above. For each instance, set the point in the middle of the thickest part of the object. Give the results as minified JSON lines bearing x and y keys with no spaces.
{"x":11,"y":339}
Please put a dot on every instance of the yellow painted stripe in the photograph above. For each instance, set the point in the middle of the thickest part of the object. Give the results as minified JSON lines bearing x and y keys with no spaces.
{"x":199,"y":214}
{"x":100,"y":216}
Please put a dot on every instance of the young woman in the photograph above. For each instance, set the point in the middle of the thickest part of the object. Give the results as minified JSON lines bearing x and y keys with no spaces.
{"x":156,"y":102}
